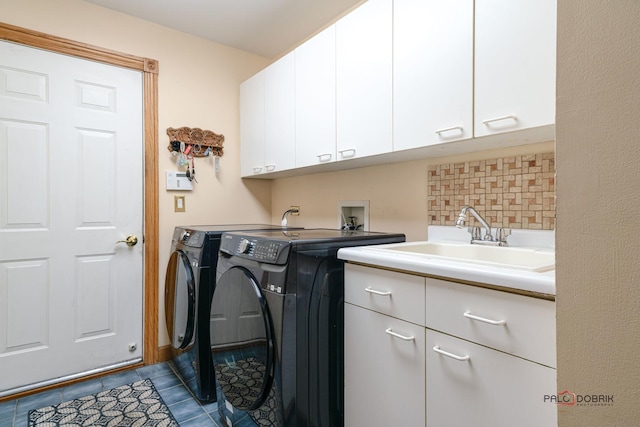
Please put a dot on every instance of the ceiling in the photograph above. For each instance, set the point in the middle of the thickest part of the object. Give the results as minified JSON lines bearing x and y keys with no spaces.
{"x":265,"y":27}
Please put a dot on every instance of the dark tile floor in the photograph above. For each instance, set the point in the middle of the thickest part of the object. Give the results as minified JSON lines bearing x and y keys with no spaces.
{"x":186,"y":409}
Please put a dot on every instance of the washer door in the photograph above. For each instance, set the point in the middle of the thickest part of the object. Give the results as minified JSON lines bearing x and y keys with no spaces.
{"x":241,"y":339}
{"x":180,"y":300}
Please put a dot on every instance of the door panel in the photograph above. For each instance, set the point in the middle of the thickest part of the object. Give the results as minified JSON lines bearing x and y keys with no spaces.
{"x":25,"y":204}
{"x":96,"y":177}
{"x":25,"y":286}
{"x":71,"y":142}
{"x":95,"y":296}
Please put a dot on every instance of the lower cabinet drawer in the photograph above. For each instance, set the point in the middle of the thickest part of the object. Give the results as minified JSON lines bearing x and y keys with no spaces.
{"x":471,"y":385}
{"x":384,"y":364}
{"x":516,"y":324}
{"x":396,"y":294}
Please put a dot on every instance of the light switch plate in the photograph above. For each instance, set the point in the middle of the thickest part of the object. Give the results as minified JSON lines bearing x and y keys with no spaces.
{"x":179,"y":204}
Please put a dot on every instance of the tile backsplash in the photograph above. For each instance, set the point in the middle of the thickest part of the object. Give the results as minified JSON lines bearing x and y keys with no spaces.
{"x":512,"y":192}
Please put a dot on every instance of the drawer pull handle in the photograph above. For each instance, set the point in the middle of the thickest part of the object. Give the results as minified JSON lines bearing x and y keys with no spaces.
{"x":451,"y":355}
{"x":324,"y":157}
{"x":484,"y":320}
{"x":439,"y":131}
{"x":270,"y":167}
{"x":373,"y":291}
{"x":349,"y":152}
{"x":498,"y":119}
{"x":397,"y":335}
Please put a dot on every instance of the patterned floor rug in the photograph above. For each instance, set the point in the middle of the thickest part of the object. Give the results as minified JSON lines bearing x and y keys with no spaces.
{"x":136,"y":404}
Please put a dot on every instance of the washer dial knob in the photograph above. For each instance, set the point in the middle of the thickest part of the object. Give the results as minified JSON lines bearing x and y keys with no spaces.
{"x":245,"y":246}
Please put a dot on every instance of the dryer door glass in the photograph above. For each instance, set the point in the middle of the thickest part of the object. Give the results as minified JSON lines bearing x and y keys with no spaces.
{"x":241,"y":339}
{"x":180,"y":300}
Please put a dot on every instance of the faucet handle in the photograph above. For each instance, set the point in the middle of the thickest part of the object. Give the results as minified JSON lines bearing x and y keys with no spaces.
{"x":502,"y":234}
{"x":475,"y":233}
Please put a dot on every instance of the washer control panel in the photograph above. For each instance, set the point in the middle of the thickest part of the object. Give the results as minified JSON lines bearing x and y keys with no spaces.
{"x":261,"y":250}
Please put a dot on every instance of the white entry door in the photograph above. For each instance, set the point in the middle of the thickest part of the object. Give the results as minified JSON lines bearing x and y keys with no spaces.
{"x":71,"y":186}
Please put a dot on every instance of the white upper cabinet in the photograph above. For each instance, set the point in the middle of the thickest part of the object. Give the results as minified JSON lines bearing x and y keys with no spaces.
{"x":396,"y":80}
{"x":515,"y":51}
{"x":279,"y":113}
{"x":433,"y":72}
{"x":315,"y":86}
{"x":364,"y":80}
{"x":252,"y":126}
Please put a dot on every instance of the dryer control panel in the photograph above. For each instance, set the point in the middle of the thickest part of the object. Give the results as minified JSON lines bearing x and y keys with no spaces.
{"x":187,"y":237}
{"x":261,"y":250}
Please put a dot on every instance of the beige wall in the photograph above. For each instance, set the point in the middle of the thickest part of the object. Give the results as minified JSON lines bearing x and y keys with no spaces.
{"x":598,"y":200}
{"x":397,"y":193}
{"x":198,"y":87}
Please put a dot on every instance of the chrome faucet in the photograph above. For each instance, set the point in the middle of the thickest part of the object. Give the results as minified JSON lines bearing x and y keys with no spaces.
{"x":500,"y":238}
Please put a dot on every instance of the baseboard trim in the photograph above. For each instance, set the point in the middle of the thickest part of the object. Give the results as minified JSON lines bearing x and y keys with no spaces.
{"x":164,"y":353}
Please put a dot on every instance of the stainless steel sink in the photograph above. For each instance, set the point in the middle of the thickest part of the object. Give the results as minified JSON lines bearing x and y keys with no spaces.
{"x":502,"y":257}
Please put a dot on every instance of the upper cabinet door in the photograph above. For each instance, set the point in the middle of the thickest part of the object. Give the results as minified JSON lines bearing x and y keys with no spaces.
{"x":252,"y":126}
{"x":515,"y":51}
{"x":279,"y":113}
{"x":316,"y":99}
{"x":433,"y":72}
{"x":364,"y":80}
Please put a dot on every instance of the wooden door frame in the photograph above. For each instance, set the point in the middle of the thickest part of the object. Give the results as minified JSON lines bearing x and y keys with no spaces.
{"x":149,"y":69}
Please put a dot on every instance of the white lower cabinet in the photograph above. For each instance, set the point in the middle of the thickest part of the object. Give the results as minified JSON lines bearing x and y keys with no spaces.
{"x":407,"y":365}
{"x":472,"y":385}
{"x":384,"y":370}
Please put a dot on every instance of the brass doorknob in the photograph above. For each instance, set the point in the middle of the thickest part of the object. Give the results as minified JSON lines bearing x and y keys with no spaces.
{"x":130,"y":240}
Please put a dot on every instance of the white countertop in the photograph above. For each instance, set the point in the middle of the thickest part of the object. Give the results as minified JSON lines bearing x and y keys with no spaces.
{"x":531,"y":281}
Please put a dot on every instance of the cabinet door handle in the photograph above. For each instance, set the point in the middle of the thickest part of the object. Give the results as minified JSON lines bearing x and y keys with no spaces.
{"x":270,"y":167}
{"x":468,"y":315}
{"x":451,"y":355}
{"x":397,"y":335}
{"x":497,"y":119}
{"x":351,"y":151}
{"x":257,"y":170}
{"x":373,"y":291}
{"x":324,"y":157}
{"x":440,"y":131}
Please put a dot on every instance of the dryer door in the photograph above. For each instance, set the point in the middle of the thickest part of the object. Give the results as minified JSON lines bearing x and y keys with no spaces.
{"x":241,"y":339}
{"x":180,"y":300}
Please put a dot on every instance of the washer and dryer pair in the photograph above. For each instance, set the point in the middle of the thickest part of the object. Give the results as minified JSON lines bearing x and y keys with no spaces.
{"x":189,"y":285}
{"x":255,"y":317}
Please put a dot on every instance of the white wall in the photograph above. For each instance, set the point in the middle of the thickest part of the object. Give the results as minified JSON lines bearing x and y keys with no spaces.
{"x":598,"y":200}
{"x":198,"y":86}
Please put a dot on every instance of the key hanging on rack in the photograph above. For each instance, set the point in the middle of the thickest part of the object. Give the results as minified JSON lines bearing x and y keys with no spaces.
{"x":192,"y":175}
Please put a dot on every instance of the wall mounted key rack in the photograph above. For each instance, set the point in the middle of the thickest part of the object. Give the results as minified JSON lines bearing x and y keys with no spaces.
{"x":200,"y":143}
